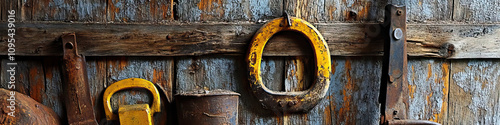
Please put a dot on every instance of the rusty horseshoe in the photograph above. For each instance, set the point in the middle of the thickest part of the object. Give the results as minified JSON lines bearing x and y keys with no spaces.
{"x":289,"y":102}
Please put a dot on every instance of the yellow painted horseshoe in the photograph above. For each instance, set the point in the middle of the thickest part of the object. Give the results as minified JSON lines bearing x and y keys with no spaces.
{"x":128,"y":84}
{"x":288,"y":102}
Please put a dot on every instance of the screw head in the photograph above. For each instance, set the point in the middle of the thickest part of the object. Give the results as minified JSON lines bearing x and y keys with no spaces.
{"x":398,"y":33}
{"x":399,"y":12}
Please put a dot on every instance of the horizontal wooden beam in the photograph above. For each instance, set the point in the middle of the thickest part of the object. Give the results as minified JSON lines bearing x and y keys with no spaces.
{"x":344,"y":39}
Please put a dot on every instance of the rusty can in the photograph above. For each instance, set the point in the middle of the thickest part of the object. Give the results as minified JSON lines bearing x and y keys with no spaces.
{"x":204,"y":107}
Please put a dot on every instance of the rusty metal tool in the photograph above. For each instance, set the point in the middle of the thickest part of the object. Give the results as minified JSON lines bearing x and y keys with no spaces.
{"x":137,"y":114}
{"x":77,"y":98}
{"x":203,"y":107}
{"x":394,"y":86}
{"x":289,"y":102}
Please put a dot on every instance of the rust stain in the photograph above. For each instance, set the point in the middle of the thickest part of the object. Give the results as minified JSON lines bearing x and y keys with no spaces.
{"x":345,"y":115}
{"x":363,"y":13}
{"x":123,"y":63}
{"x":210,"y":7}
{"x":37,"y":85}
{"x":112,"y":9}
{"x":333,"y":66}
{"x":428,"y":98}
{"x":327,"y":115}
{"x":445,"y":78}
{"x":279,"y":120}
{"x":331,"y":9}
{"x":358,"y":10}
{"x":412,"y":90}
{"x":118,"y":63}
{"x":48,"y":74}
{"x":413,"y":74}
{"x":153,"y":7}
{"x":165,"y":9}
{"x":429,"y":71}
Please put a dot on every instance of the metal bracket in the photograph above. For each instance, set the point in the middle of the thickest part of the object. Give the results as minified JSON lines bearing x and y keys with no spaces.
{"x":393,"y":90}
{"x":79,"y":108}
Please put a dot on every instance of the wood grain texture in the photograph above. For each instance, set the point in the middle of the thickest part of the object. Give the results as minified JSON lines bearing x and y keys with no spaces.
{"x":367,"y":10}
{"x":96,"y":73}
{"x":428,"y":40}
{"x":474,"y":92}
{"x":298,"y":77}
{"x":139,"y":11}
{"x":65,"y":10}
{"x":228,"y":10}
{"x":354,"y":90}
{"x":53,"y":95}
{"x":476,"y":11}
{"x":428,"y":84}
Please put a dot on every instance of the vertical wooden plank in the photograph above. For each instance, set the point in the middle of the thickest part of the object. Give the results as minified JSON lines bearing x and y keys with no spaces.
{"x":272,"y":69}
{"x":96,"y":73}
{"x":476,"y":11}
{"x":140,"y":10}
{"x":67,"y":10}
{"x":355,"y":86}
{"x":298,"y":77}
{"x":228,"y":10}
{"x":474,"y":92}
{"x":219,"y":72}
{"x":428,"y":84}
{"x":151,"y":69}
{"x":17,"y":5}
{"x":54,"y":93}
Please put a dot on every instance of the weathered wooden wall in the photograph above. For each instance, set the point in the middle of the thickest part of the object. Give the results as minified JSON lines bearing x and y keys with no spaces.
{"x":445,"y":91}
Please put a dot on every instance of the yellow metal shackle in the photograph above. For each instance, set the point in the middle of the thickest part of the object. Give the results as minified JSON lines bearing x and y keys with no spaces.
{"x":281,"y":102}
{"x":128,"y":84}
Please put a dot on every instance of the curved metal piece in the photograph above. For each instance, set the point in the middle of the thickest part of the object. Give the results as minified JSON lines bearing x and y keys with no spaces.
{"x":288,"y":102}
{"x":128,"y":84}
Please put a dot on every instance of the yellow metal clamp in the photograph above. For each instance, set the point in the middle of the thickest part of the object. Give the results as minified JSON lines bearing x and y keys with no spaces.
{"x":132,"y":110}
{"x":282,"y":102}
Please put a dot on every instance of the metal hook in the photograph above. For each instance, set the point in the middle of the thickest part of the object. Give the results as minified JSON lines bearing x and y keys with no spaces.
{"x":287,"y":17}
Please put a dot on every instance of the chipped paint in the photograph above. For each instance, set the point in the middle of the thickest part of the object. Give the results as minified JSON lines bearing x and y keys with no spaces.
{"x":428,"y":89}
{"x":362,"y":95}
{"x":469,"y":77}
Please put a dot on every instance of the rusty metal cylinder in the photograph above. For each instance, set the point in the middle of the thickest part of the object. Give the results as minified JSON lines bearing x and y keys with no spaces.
{"x":218,"y":107}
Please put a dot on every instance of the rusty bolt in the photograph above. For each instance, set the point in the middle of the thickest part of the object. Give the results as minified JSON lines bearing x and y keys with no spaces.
{"x":398,"y":33}
{"x":69,"y":45}
{"x":292,"y":103}
{"x":169,"y":37}
{"x":399,"y":12}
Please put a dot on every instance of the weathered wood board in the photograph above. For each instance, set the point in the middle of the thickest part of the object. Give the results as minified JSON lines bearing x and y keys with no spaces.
{"x":476,"y":11}
{"x":474,"y":92}
{"x":438,"y":40}
{"x":428,"y":84}
{"x":228,"y":10}
{"x":445,"y":91}
{"x":151,"y":11}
